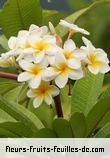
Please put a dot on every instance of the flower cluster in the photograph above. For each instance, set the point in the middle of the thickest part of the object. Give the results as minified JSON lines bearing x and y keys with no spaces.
{"x":46,"y":64}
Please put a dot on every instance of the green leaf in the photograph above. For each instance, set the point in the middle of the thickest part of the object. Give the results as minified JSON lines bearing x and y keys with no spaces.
{"x":23,"y":93}
{"x":45,"y":133}
{"x":12,"y":95}
{"x":86,"y":92}
{"x":4,"y":117}
{"x":103,"y":132}
{"x":19,"y":15}
{"x":7,"y":86}
{"x":17,"y":95}
{"x":45,"y":113}
{"x":62,"y":128}
{"x":17,"y":128}
{"x":106,"y":93}
{"x":53,"y":16}
{"x":96,"y":115}
{"x":21,"y":114}
{"x":66,"y":102}
{"x":62,"y":31}
{"x":78,"y":125}
{"x":6,"y":134}
{"x":4,"y":42}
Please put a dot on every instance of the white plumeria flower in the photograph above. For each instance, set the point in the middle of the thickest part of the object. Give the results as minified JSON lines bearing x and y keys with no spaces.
{"x":33,"y":73}
{"x":73,"y":55}
{"x":61,"y":71}
{"x":20,"y":41}
{"x":43,"y":47}
{"x":73,"y":27}
{"x":45,"y":92}
{"x":39,"y":31}
{"x":97,"y":60}
{"x":17,"y":44}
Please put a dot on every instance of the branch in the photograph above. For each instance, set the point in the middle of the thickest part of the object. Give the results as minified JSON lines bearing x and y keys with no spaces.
{"x":58,"y":106}
{"x":8,"y":75}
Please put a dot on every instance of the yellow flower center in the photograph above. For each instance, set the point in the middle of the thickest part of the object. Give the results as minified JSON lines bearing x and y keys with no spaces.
{"x":94,"y":61}
{"x":63,"y":67}
{"x":42,"y":90}
{"x":68,"y":55}
{"x":35,"y":70}
{"x":42,"y":46}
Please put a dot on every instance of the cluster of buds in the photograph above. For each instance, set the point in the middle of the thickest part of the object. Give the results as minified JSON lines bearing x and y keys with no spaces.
{"x":47,"y":64}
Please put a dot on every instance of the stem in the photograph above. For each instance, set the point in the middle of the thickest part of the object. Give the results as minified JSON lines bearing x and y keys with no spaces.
{"x":58,"y":106}
{"x":8,"y":75}
{"x":69,"y":88}
{"x":70,"y":34}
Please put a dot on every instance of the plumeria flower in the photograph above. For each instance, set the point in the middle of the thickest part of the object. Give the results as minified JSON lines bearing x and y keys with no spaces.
{"x":43,"y":47}
{"x":33,"y":73}
{"x":61,"y":71}
{"x":17,"y":45}
{"x":73,"y":55}
{"x":97,"y":60}
{"x":73,"y":27}
{"x":20,"y":41}
{"x":45,"y":92}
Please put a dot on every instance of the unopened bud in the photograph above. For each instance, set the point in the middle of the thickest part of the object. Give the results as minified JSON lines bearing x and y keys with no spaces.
{"x":52,"y":29}
{"x":59,"y":40}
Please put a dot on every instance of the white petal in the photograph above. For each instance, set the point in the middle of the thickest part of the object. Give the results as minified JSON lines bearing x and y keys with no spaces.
{"x":61,"y":80}
{"x":7,"y":55}
{"x":44,"y":63}
{"x":33,"y":27}
{"x":76,"y":74}
{"x":89,"y":45}
{"x":33,"y":39}
{"x":73,"y":27}
{"x":35,"y":82}
{"x":49,"y":74}
{"x":69,"y":45}
{"x":31,"y":94}
{"x":80,"y":54}
{"x":37,"y":102}
{"x":12,"y":42}
{"x":53,"y":50}
{"x":74,"y":63}
{"x":50,"y":39}
{"x":25,"y":76}
{"x":28,"y":58}
{"x":38,"y":57}
{"x":26,"y":54}
{"x":48,"y":99}
{"x":59,"y":58}
{"x":23,"y":33}
{"x":65,"y":23}
{"x":51,"y":60}
{"x":81,"y":30}
{"x":44,"y":30}
{"x":54,"y":91}
{"x":105,"y":68}
{"x":101,"y":55}
{"x":22,"y":39}
{"x":93,"y":70}
{"x":25,"y":65}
